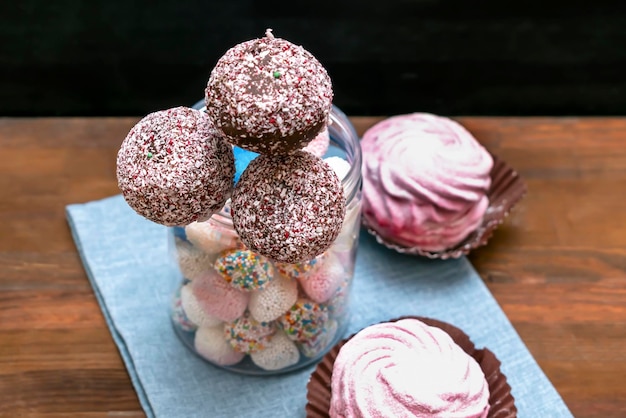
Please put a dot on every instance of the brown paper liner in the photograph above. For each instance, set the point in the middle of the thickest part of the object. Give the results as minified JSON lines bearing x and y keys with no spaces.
{"x":501,"y":401}
{"x":506,"y":190}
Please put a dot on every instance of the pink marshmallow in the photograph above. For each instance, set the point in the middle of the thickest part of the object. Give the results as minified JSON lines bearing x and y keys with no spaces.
{"x":324,"y":282}
{"x":425,"y":180}
{"x":216,"y":297}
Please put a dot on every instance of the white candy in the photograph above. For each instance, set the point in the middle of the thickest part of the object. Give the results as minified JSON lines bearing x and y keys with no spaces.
{"x":191,"y":261}
{"x":279,"y":353}
{"x":340,"y":166}
{"x":273,"y":301}
{"x":211,"y":238}
{"x":194,"y":311}
{"x":211,"y":344}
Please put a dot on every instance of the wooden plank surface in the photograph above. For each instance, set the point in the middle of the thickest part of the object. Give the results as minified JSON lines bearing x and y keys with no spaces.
{"x":557,"y":266}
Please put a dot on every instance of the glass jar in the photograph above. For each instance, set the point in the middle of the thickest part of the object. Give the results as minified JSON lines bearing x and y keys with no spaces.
{"x":274,"y":317}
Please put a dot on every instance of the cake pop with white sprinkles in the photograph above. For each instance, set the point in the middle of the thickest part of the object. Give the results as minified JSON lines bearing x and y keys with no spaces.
{"x":174,"y":168}
{"x":288,"y":208}
{"x":268,"y":95}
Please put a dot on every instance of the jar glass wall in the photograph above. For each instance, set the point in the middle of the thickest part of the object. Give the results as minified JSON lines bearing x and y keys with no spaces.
{"x":278,"y":317}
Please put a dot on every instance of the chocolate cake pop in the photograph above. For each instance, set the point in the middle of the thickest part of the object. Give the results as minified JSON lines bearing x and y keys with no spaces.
{"x":289,"y":208}
{"x":268,"y":95}
{"x":173,"y":168}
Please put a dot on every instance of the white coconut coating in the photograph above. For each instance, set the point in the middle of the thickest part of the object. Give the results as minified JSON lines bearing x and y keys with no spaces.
{"x":268,"y":95}
{"x":173,"y":168}
{"x":289,"y":208}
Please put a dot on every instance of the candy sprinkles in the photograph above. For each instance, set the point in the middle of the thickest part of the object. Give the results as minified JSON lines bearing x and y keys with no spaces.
{"x":244,"y":269}
{"x":256,"y":208}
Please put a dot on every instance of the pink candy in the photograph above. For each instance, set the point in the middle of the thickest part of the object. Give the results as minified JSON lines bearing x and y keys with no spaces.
{"x":319,"y":145}
{"x":324,"y":282}
{"x":247,"y":335}
{"x":218,"y":298}
{"x":211,"y":238}
{"x":194,"y":310}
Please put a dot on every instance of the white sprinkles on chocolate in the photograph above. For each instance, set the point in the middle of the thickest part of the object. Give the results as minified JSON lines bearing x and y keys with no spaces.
{"x":289,"y":208}
{"x":268,"y":95}
{"x":173,"y":168}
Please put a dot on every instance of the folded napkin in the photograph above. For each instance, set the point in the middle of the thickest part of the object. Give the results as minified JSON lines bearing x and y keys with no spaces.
{"x":126,"y":258}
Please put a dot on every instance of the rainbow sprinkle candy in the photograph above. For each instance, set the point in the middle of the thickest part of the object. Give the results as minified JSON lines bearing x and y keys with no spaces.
{"x":247,"y":335}
{"x":299,"y":270}
{"x":304,"y":320}
{"x":244,"y":269}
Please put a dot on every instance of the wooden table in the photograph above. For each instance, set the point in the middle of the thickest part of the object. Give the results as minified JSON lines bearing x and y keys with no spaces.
{"x":557,"y":266}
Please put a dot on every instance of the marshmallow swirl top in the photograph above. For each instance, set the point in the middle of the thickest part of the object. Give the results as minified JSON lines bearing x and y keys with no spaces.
{"x":425,"y":180}
{"x":406,"y":369}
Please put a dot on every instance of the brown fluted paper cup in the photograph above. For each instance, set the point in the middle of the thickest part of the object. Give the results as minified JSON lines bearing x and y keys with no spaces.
{"x":501,"y":401}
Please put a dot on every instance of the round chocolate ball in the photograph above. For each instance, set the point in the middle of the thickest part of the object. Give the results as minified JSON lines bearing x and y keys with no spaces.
{"x":174,"y":168}
{"x":289,"y":208}
{"x":268,"y":95}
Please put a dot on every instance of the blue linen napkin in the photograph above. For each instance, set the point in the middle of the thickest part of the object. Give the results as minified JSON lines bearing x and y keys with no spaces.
{"x":127,"y":261}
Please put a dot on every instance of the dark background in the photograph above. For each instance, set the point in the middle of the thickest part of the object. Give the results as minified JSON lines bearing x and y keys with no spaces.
{"x":452,"y":57}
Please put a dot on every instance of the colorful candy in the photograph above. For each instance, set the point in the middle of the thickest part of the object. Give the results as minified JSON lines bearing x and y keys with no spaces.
{"x":299,"y":270}
{"x":247,"y":335}
{"x":318,"y":344}
{"x":244,"y":269}
{"x":304,"y":320}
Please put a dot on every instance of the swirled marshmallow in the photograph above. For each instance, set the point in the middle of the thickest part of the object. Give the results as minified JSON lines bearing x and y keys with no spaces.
{"x":406,"y":369}
{"x":425,"y":179}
